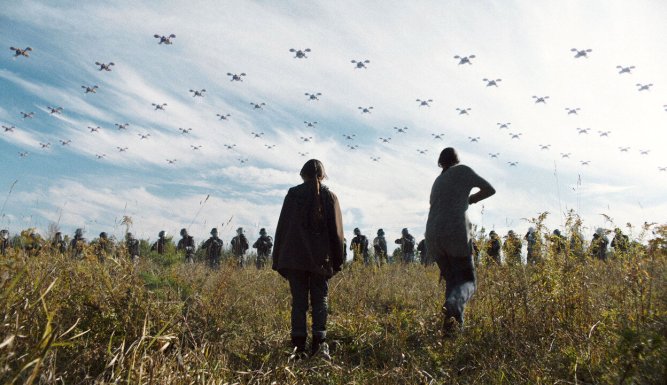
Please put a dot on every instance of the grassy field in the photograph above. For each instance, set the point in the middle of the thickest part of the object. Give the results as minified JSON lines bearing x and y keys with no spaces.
{"x":164,"y":322}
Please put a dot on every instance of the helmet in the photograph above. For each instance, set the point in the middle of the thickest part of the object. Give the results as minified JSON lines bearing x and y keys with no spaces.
{"x":184,"y":232}
{"x":78,"y":233}
{"x":239,"y":231}
{"x":556,"y":232}
{"x":510,"y":233}
{"x":492,"y":232}
{"x":214,"y":231}
{"x":103,"y":235}
{"x":599,"y":231}
{"x":380,"y":232}
{"x":262,"y":231}
{"x":161,"y":234}
{"x":531,"y":229}
{"x":357,"y":231}
{"x":404,"y":231}
{"x":4,"y":234}
{"x":129,"y":236}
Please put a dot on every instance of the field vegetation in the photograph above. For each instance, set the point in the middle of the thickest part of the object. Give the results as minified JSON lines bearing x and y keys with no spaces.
{"x":566,"y":320}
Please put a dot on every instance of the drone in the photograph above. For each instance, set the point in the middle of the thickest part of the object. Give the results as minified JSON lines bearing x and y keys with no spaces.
{"x":300,"y":54}
{"x":437,"y":136}
{"x":165,"y":39}
{"x":581,"y":53}
{"x":23,"y":154}
{"x":229,"y":146}
{"x":540,"y":99}
{"x":258,"y":106}
{"x":90,"y":90}
{"x":199,"y":93}
{"x":564,"y":155}
{"x":44,"y":145}
{"x":583,"y":130}
{"x":65,"y":142}
{"x":121,"y":126}
{"x":401,"y":130}
{"x":9,"y":128}
{"x":143,"y":136}
{"x":94,"y":129}
{"x":27,"y":115}
{"x":503,"y":125}
{"x":585,"y":162}
{"x":624,"y":149}
{"x":424,"y":103}
{"x":195,"y":148}
{"x":55,"y":110}
{"x":303,"y":153}
{"x":644,"y":87}
{"x":644,"y":152}
{"x":185,"y":130}
{"x":243,"y":160}
{"x":516,"y":135}
{"x":100,"y":156}
{"x":512,"y":164}
{"x":463,"y":111}
{"x":223,"y":116}
{"x":422,"y":151}
{"x":159,"y":106}
{"x":171,"y":161}
{"x":492,"y":82}
{"x":349,"y":136}
{"x":309,"y":124}
{"x":385,"y":140}
{"x":571,"y":111}
{"x":604,"y":133}
{"x":313,"y":96}
{"x":662,"y":168}
{"x":494,"y":155}
{"x":21,"y":52}
{"x":257,"y":134}
{"x":105,"y":66}
{"x":464,"y":59}
{"x":375,"y":158}
{"x":360,"y":63}
{"x":235,"y":77}
{"x":121,"y":149}
{"x":365,"y":110}
{"x":306,"y":139}
{"x":352,"y":146}
{"x":625,"y":70}
{"x":544,"y":146}
{"x":269,"y":146}
{"x":474,"y":139}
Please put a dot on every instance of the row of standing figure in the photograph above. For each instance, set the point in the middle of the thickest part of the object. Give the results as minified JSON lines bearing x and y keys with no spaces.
{"x":360,"y":251}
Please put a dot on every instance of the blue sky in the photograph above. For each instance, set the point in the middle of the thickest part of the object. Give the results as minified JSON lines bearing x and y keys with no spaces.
{"x":411,"y":51}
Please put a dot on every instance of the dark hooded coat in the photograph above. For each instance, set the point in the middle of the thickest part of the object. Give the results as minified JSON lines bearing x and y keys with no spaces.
{"x":308,"y":239}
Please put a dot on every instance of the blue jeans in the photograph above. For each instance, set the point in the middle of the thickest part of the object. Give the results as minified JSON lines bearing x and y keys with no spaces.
{"x":302,"y":284}
{"x":459,"y":274}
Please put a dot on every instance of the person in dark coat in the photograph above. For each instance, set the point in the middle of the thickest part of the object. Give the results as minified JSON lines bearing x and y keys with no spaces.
{"x":598,"y":247}
{"x":620,"y":242}
{"x":187,"y":245}
{"x":58,"y":244}
{"x":407,"y":242}
{"x":449,"y":233}
{"x":423,"y":257}
{"x":493,"y":246}
{"x":213,"y":247}
{"x":359,"y":247}
{"x":263,"y":244}
{"x":239,"y":246}
{"x":557,"y":243}
{"x":132,"y":245}
{"x":5,"y":243}
{"x":103,"y":247}
{"x":161,"y":244}
{"x":380,"y":247}
{"x":512,"y":249}
{"x":308,"y":250}
{"x":77,"y":244}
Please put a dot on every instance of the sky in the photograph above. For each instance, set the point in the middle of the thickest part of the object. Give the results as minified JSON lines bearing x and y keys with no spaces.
{"x":410,"y":49}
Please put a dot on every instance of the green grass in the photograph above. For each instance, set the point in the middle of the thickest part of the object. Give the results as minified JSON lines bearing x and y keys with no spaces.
{"x":162,"y":321}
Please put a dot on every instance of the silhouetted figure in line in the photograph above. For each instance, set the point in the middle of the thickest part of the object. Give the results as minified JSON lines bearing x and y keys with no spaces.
{"x":263,"y":244}
{"x":493,"y":246}
{"x":213,"y":247}
{"x":5,"y":243}
{"x":512,"y":248}
{"x":33,"y":245}
{"x":359,"y":247}
{"x":187,"y":245}
{"x":239,"y":246}
{"x":380,"y":247}
{"x":532,"y":249}
{"x":309,"y":250}
{"x":58,"y":244}
{"x":77,"y":244}
{"x":449,"y":234}
{"x":620,"y":242}
{"x":161,"y":244}
{"x":407,"y":242}
{"x":598,"y":248}
{"x":103,"y":247}
{"x":132,"y":246}
{"x":557,"y":243}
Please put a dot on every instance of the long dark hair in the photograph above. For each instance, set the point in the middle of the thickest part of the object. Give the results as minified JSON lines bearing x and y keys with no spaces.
{"x":313,"y":173}
{"x":448,"y":158}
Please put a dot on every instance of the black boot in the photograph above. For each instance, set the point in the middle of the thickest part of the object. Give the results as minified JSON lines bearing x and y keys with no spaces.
{"x":320,"y":348}
{"x":299,"y":347}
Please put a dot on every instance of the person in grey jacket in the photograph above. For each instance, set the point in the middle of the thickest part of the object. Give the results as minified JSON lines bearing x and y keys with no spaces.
{"x":448,"y":232}
{"x":307,"y":251}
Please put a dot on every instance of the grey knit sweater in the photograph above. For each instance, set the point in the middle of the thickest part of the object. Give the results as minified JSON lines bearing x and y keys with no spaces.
{"x":448,"y":230}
